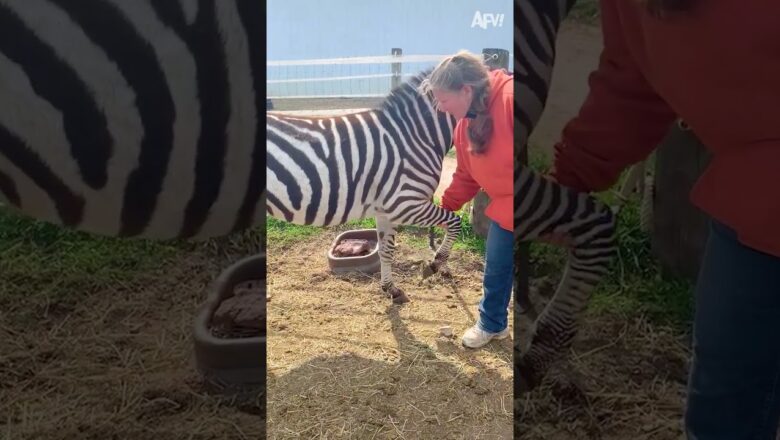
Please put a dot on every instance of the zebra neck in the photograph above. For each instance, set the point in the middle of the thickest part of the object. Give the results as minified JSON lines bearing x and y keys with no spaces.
{"x":433,"y":136}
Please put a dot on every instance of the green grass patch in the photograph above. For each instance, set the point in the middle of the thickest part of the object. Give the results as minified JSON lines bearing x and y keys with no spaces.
{"x":586,"y":12}
{"x":539,"y":160}
{"x":35,"y":256}
{"x":467,"y":240}
{"x":281,"y":233}
{"x":366,"y":223}
{"x":635,"y":283}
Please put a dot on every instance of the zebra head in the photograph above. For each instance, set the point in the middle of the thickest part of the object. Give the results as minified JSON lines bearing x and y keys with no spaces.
{"x":417,"y":111}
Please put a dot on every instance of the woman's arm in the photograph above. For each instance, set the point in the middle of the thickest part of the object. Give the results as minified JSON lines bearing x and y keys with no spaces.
{"x":463,"y":187}
{"x":621,"y":121}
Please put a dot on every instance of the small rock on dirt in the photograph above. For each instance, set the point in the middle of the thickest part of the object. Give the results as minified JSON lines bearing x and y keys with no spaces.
{"x":446,"y":331}
{"x":481,"y":391}
{"x":320,"y":277}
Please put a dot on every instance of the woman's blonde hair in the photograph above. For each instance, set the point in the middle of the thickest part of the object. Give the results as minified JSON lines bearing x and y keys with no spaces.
{"x":456,"y":71}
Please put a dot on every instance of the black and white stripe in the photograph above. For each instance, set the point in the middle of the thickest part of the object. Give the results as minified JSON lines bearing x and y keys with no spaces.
{"x":384,"y":163}
{"x":543,"y":206}
{"x":133,"y":118}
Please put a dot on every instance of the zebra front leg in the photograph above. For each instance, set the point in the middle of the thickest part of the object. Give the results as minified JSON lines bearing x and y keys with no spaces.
{"x":386,"y":234}
{"x":522,"y":295}
{"x":556,"y":326}
{"x":431,"y":215}
{"x":591,"y":227}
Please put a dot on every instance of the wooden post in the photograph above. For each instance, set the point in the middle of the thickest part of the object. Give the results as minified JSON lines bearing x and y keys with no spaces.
{"x":495,"y":59}
{"x":680,"y":230}
{"x":395,"y":68}
{"x":522,"y":258}
{"x":479,"y":221}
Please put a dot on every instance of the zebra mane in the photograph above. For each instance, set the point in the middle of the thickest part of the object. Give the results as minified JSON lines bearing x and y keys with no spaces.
{"x":407,"y":91}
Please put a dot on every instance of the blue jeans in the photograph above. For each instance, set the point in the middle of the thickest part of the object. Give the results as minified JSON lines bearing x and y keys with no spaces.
{"x":734,"y":385}
{"x":497,"y":281}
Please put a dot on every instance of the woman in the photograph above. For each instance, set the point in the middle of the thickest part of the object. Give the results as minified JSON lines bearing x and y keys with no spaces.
{"x":483,"y":103}
{"x":715,"y":65}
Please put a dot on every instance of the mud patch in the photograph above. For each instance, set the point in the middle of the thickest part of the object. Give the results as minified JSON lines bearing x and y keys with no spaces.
{"x":243,"y":315}
{"x":354,"y":247}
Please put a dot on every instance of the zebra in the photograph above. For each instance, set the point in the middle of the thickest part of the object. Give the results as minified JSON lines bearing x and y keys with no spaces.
{"x":384,"y":162}
{"x":133,"y":118}
{"x":542,"y":206}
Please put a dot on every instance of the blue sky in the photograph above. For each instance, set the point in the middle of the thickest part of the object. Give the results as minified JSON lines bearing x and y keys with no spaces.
{"x":304,"y":29}
{"x":309,"y":29}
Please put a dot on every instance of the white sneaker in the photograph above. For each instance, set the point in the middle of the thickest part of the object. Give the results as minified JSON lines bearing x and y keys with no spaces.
{"x":475,"y":337}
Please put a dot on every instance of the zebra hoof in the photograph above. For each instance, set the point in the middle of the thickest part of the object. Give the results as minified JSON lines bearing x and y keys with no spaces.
{"x":528,"y":378}
{"x":524,"y":386}
{"x":528,"y":310}
{"x":398,"y":295}
{"x":429,"y":269}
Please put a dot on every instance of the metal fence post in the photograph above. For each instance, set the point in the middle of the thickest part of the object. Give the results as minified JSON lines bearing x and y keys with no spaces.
{"x":395,"y":68}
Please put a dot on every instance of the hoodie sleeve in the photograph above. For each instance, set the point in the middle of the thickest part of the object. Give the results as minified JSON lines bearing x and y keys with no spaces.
{"x":463,"y":186}
{"x":621,"y":121}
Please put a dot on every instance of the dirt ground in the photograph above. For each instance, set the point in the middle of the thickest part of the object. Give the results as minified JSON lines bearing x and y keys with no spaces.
{"x":578,"y":47}
{"x":343,"y":362}
{"x":623,"y":379}
{"x":116,"y":362}
{"x":448,"y":169}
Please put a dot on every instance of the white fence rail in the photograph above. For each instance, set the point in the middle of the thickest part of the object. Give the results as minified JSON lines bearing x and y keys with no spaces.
{"x":350,"y":77}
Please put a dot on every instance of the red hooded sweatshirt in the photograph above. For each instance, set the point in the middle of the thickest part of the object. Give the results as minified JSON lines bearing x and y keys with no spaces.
{"x":718,"y":68}
{"x":493,"y":169}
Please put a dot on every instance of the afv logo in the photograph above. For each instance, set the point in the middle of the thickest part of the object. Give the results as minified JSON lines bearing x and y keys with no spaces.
{"x":482,"y":20}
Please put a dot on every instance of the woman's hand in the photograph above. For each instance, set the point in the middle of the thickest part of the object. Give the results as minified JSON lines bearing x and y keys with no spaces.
{"x":556,"y":238}
{"x":443,"y":225}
